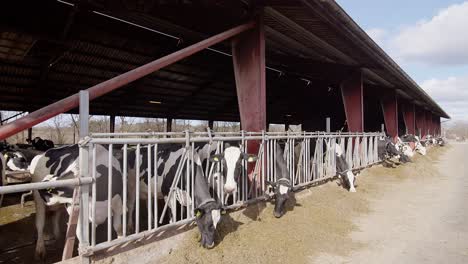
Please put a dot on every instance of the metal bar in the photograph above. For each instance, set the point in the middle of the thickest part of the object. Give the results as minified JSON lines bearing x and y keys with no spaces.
{"x":93,"y":197}
{"x":45,"y":185}
{"x":100,"y":89}
{"x":150,"y":208}
{"x":176,"y":179}
{"x":191,"y":183}
{"x":83,"y":159}
{"x":109,"y":195}
{"x":137,"y":190}
{"x":155,"y":185}
{"x":125,"y":183}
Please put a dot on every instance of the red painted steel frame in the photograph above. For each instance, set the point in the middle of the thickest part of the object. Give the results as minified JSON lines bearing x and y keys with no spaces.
{"x":409,"y":116}
{"x":420,"y":121}
{"x":428,"y":123}
{"x":248,"y":55}
{"x":390,"y":110}
{"x":100,"y":89}
{"x":352,"y":93}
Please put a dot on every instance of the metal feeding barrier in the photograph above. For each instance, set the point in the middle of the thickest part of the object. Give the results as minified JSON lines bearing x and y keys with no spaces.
{"x":310,"y":157}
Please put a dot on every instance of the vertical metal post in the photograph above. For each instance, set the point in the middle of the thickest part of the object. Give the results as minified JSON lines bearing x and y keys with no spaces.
{"x":30,"y":134}
{"x":327,"y":124}
{"x":109,"y":195}
{"x":382,"y":128}
{"x":84,"y":189}
{"x":112,"y":124}
{"x":124,"y":175}
{"x":169,"y":125}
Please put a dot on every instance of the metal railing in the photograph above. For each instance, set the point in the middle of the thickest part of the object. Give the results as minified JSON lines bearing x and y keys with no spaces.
{"x":310,"y":157}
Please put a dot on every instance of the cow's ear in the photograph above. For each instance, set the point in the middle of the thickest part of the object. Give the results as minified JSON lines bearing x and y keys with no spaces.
{"x":198,"y":212}
{"x":216,"y":158}
{"x":249,"y":157}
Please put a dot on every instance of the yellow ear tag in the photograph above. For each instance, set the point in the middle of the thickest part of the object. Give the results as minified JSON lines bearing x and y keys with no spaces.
{"x":216,"y":159}
{"x":251,"y":159}
{"x":198,"y":214}
{"x":223,"y":212}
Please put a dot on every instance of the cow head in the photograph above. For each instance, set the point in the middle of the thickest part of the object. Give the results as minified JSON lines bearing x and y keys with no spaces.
{"x":407,"y":150}
{"x":207,"y":217}
{"x":420,"y":148}
{"x":15,"y":161}
{"x":281,"y":191}
{"x":232,"y":161}
{"x":347,"y":176}
{"x":392,"y":149}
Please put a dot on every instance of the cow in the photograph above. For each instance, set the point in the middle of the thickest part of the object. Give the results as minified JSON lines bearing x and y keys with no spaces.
{"x":281,"y":189}
{"x":207,"y":210}
{"x":440,"y":142}
{"x":19,"y":159}
{"x":232,"y":158}
{"x":62,"y":163}
{"x":343,"y":170}
{"x":41,"y":144}
{"x":418,"y":146}
{"x":387,"y":150}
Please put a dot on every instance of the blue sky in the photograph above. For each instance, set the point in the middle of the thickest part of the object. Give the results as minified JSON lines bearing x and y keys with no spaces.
{"x":428,"y":39}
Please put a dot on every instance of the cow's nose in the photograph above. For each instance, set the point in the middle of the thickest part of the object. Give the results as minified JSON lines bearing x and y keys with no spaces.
{"x":229,"y":189}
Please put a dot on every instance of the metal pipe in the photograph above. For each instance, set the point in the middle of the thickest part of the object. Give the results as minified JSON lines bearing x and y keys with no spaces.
{"x":105,"y":87}
{"x":125,"y":183}
{"x":155,"y":185}
{"x":83,"y":218}
{"x":174,"y":183}
{"x":45,"y":185}
{"x":150,"y":208}
{"x":137,"y":190}
{"x":109,"y":195}
{"x":93,"y":197}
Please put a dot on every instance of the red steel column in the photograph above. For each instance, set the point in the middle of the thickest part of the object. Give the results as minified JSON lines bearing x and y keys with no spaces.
{"x":248,"y":54}
{"x":409,"y":116}
{"x":390,"y":110}
{"x":352,"y":93}
{"x":429,"y":123}
{"x":419,"y":122}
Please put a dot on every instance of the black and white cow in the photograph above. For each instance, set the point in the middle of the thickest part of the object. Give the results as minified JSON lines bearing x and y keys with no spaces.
{"x":282,"y":188}
{"x":232,"y":158}
{"x":343,"y":170}
{"x":440,"y":141}
{"x":418,"y":146}
{"x":41,"y":144}
{"x":62,"y":163}
{"x":19,"y":159}
{"x":207,"y":209}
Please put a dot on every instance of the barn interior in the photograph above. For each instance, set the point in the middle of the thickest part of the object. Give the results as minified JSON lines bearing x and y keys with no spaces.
{"x":52,"y":49}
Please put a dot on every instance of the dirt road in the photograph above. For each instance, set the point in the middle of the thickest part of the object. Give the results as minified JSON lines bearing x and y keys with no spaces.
{"x":423,"y":219}
{"x":415,"y":213}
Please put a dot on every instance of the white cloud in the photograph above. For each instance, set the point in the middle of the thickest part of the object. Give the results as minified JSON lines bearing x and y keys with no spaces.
{"x":451,"y":94}
{"x":378,"y":35}
{"x":443,"y":40}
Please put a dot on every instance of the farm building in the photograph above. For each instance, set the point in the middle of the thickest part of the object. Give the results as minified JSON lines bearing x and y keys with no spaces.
{"x":294,"y":62}
{"x":289,"y":62}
